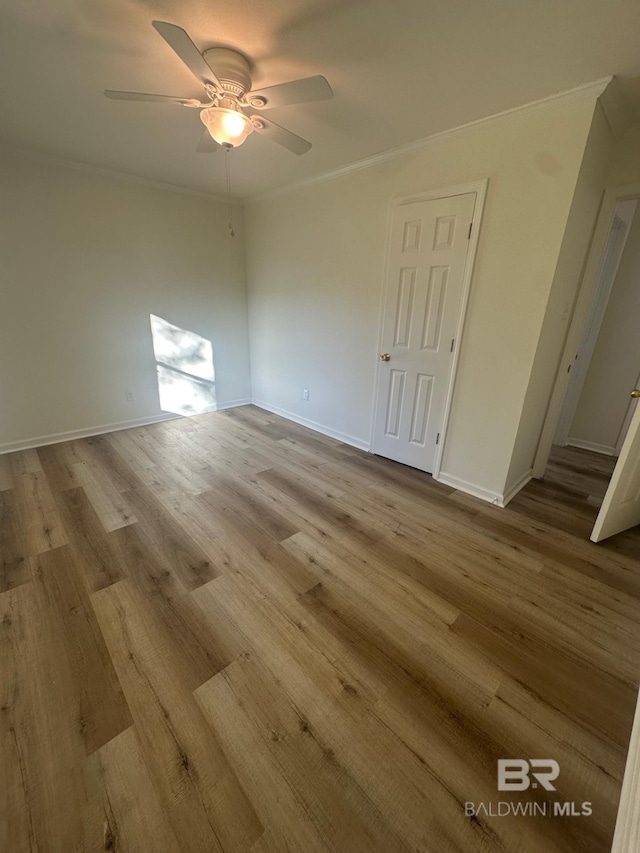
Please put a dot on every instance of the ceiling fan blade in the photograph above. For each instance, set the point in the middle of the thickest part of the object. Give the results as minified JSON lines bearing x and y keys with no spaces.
{"x":145,"y":96}
{"x":283,"y":137}
{"x":207,"y":144}
{"x":179,"y":41}
{"x":296,"y":92}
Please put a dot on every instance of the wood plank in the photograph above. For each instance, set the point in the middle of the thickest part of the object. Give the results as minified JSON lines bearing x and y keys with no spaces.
{"x":25,"y":462}
{"x":15,"y":563}
{"x":16,"y":830}
{"x":58,"y":461}
{"x":151,"y":575}
{"x":101,"y":711}
{"x":303,"y":796}
{"x":98,"y":453}
{"x":553,"y":545}
{"x":382,"y":643}
{"x":198,"y":791}
{"x":593,"y":698}
{"x":192,"y":518}
{"x":248,"y":549}
{"x":334,"y":705}
{"x":108,"y":503}
{"x":323,"y":508}
{"x":49,"y":799}
{"x":412,"y":604}
{"x":135,"y":819}
{"x":300,"y":646}
{"x":36,"y":512}
{"x":6,"y":473}
{"x":234,"y":499}
{"x":162,"y":532}
{"x":89,"y":540}
{"x":125,"y":445}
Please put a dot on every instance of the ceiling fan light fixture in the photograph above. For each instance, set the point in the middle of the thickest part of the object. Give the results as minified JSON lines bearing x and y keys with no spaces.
{"x":227,"y":127}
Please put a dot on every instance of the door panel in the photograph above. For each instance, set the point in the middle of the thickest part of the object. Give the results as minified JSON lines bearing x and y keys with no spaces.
{"x":421,"y":406}
{"x":436,"y":300}
{"x":395,"y":400}
{"x":621,"y":506}
{"x":404,"y":307}
{"x":429,"y":244}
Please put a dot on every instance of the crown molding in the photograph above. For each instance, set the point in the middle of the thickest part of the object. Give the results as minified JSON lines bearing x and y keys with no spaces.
{"x":610,"y":102}
{"x":587,"y":91}
{"x":111,"y":174}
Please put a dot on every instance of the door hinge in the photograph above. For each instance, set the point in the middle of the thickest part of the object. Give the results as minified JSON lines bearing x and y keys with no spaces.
{"x":453,"y":340}
{"x":438,"y":438}
{"x":470,"y":227}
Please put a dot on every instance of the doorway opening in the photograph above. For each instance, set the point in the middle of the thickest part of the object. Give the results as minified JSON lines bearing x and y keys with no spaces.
{"x":591,"y":417}
{"x":597,"y":407}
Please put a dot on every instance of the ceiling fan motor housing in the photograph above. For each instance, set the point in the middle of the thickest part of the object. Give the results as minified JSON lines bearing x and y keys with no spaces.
{"x":231,"y":68}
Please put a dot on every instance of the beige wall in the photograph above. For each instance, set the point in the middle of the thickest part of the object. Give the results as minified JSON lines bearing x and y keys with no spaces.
{"x":615,"y":364}
{"x":85,"y":260}
{"x":578,"y":233}
{"x":315,"y":259}
{"x":625,"y":162}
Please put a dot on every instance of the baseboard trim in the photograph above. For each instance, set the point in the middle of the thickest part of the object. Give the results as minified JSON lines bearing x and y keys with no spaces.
{"x":460,"y":485}
{"x":88,"y":432}
{"x":605,"y":449}
{"x":321,"y":428}
{"x":234,"y":404}
{"x":513,"y":491}
{"x":495,"y":498}
{"x":70,"y":435}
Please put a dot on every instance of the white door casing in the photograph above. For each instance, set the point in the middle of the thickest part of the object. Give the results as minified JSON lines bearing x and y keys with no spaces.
{"x":616,"y":243}
{"x":584,"y":300}
{"x":429,"y":246}
{"x":620,"y":509}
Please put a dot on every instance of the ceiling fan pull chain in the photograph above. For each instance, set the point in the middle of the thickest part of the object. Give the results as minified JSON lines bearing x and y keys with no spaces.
{"x":227,"y":148}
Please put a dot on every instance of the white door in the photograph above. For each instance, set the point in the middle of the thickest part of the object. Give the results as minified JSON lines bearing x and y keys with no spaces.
{"x":621,"y":506}
{"x":428,"y":252}
{"x":624,"y":429}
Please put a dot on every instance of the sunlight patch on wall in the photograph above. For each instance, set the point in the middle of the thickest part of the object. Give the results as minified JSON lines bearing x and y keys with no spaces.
{"x":184,"y":363}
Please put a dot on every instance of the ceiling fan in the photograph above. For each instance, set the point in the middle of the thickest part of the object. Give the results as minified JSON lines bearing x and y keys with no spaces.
{"x":233,"y":110}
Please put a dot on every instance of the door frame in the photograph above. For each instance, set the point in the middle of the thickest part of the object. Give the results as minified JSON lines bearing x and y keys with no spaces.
{"x":480,"y":189}
{"x":593,"y":324}
{"x":583,"y":303}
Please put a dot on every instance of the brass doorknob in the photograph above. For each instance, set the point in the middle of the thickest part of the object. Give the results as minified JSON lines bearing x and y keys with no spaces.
{"x":386,"y":357}
{"x":635,"y":392}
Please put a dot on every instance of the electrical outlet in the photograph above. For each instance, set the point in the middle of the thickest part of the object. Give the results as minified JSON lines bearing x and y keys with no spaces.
{"x":305,"y":394}
{"x":130,"y":396}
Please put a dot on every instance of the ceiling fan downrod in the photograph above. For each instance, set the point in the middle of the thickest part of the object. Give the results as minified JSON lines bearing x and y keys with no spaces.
{"x":227,"y":149}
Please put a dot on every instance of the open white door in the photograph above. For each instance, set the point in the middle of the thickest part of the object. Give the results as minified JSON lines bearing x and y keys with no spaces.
{"x":620,"y":509}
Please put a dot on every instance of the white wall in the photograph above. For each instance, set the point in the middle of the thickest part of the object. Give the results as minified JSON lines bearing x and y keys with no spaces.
{"x":577,"y":236}
{"x":315,"y":258}
{"x":86,"y":259}
{"x":615,"y":364}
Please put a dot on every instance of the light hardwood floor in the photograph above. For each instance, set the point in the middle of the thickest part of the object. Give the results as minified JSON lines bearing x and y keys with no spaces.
{"x":229,"y":633}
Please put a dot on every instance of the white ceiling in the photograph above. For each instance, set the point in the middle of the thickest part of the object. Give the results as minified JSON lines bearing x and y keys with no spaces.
{"x":400,"y":71}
